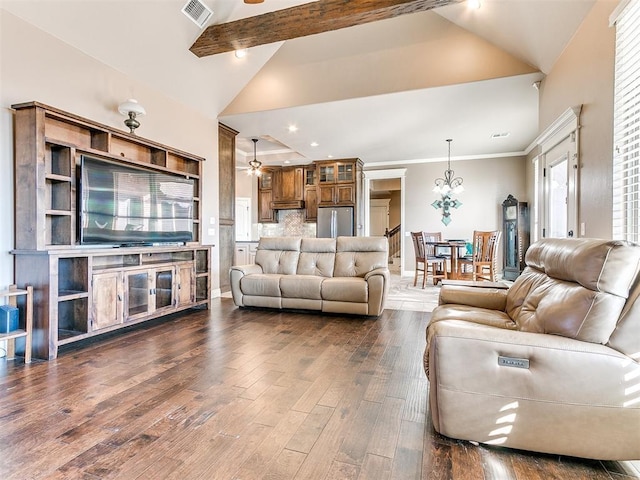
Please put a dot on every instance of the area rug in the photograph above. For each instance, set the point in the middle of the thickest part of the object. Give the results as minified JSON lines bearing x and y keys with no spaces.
{"x":404,"y":296}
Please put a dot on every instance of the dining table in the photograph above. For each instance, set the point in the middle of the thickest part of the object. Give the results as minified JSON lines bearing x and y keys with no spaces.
{"x":454,"y":247}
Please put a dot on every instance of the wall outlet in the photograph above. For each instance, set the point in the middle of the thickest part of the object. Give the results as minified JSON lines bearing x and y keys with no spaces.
{"x":211,"y":232}
{"x":212,"y":220}
{"x":583,"y":229}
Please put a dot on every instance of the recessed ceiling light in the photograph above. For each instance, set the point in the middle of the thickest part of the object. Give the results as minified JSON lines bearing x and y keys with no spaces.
{"x":293,"y":128}
{"x":314,"y":144}
{"x":474,"y":4}
{"x":500,"y":135}
{"x":287,"y":162}
{"x":329,"y":156}
{"x":242,"y":53}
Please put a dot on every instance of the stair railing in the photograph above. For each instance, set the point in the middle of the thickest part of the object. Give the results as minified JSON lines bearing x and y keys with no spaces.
{"x":394,"y":237}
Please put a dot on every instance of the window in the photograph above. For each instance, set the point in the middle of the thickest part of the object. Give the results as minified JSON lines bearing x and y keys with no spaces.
{"x":626,"y":134}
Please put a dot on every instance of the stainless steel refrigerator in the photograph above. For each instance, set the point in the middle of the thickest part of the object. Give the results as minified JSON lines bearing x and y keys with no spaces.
{"x":335,"y":222}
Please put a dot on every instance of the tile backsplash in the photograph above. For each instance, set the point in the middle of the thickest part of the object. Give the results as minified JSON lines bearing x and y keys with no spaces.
{"x":290,"y":224}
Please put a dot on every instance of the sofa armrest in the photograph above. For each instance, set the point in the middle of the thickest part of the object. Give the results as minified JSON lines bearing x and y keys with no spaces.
{"x":378,"y":271}
{"x":489,"y":298}
{"x":235,"y":275}
{"x":481,"y":377}
{"x":247,"y":269}
{"x":378,"y":286}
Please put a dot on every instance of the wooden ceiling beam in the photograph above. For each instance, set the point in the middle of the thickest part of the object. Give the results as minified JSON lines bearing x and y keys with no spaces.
{"x":302,"y":20}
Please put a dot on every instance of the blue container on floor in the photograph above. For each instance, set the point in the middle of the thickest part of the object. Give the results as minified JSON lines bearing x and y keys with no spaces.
{"x":8,"y":318}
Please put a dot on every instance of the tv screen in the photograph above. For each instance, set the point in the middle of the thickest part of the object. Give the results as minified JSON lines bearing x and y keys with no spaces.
{"x":121,"y":204}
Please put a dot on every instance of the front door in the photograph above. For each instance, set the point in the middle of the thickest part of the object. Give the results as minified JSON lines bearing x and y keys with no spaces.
{"x":560,"y":190}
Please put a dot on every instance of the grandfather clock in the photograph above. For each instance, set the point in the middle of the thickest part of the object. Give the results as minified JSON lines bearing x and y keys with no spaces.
{"x":515,"y":227}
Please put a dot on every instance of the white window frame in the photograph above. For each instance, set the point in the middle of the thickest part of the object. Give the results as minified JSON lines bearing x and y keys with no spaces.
{"x":626,"y":131}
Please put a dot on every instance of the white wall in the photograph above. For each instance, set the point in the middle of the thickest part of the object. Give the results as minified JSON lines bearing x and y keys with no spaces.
{"x":487,"y":183}
{"x":35,"y":66}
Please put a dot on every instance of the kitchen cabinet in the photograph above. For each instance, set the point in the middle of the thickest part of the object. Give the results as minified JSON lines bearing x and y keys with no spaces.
{"x":310,"y":194}
{"x":288,"y":188}
{"x":246,"y":253}
{"x":338,"y":182}
{"x":265,"y":196}
{"x":324,"y":183}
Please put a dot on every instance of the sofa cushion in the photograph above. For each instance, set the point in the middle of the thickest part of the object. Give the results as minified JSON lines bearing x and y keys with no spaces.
{"x":317,"y":256}
{"x":301,"y":286}
{"x":356,"y":256}
{"x":261,"y":284}
{"x":351,"y":289}
{"x":576,"y":288}
{"x":482,"y":316}
{"x":278,"y":254}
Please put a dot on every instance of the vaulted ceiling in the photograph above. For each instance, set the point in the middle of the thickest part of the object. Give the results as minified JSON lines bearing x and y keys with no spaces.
{"x":388,"y":91}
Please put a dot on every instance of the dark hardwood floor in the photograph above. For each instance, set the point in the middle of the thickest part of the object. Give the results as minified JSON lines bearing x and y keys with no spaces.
{"x":248,"y":394}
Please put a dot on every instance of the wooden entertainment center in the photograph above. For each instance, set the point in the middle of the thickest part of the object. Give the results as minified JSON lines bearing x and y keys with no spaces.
{"x":80,"y":291}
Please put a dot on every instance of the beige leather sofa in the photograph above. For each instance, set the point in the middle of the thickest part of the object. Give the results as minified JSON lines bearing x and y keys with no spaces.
{"x":549,"y":365}
{"x":343,"y":275}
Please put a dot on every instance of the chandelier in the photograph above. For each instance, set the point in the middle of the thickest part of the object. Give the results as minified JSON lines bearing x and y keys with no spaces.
{"x":255,"y":164}
{"x":448,"y":184}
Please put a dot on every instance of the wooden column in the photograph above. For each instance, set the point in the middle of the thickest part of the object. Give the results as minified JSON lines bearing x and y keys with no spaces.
{"x":226,"y":201}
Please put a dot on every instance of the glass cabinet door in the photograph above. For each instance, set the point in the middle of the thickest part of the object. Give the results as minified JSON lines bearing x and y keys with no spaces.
{"x":138,"y":293}
{"x":310,"y":177}
{"x":345,"y":172}
{"x":326,"y":174}
{"x":266,"y":179}
{"x":164,"y":288}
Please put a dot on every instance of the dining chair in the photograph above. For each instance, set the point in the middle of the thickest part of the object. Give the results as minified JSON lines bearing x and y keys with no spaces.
{"x":483,"y":260}
{"x":425,"y":255}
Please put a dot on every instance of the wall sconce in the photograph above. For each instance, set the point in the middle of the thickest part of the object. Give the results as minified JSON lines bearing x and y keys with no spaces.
{"x":131,"y":109}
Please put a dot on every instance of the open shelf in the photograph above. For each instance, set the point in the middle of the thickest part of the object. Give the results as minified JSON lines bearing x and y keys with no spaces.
{"x":202,"y":261}
{"x":65,"y":295}
{"x":73,"y":317}
{"x":73,"y":275}
{"x":12,"y":335}
{"x":58,"y":228}
{"x":58,"y":159}
{"x":202,"y":288}
{"x":104,"y":262}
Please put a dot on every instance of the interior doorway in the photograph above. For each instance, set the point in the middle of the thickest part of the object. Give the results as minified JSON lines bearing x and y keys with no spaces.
{"x":379,"y":215}
{"x":243,"y":218}
{"x":384,"y":211}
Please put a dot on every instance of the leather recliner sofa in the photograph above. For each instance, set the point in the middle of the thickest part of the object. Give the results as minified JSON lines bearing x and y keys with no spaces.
{"x":549,"y":365}
{"x":343,"y":275}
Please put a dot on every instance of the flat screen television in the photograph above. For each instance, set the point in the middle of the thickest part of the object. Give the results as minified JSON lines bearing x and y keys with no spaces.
{"x":126,"y":205}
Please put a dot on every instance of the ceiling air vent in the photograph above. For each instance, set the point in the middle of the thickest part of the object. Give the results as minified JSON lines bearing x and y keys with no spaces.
{"x":500,"y":135}
{"x":198,"y":12}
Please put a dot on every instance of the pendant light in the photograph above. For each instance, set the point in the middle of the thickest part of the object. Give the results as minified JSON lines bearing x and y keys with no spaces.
{"x":255,"y":164}
{"x":448,"y":184}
